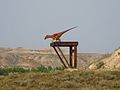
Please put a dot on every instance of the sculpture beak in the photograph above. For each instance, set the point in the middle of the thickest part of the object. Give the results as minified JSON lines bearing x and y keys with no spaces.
{"x":45,"y":37}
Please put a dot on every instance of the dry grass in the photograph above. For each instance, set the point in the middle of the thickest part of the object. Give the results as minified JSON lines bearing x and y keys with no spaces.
{"x":62,"y":80}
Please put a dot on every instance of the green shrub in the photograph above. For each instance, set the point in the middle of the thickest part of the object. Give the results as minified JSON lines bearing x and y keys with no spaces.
{"x":3,"y":71}
{"x":50,"y":68}
{"x":100,"y":64}
{"x":6,"y":71}
{"x":60,"y":68}
{"x":42,"y":69}
{"x":21,"y":70}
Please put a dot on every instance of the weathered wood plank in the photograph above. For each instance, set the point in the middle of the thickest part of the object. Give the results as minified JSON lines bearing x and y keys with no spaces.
{"x":63,"y":44}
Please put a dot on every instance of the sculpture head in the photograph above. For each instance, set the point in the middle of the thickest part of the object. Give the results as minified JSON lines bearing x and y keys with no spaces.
{"x":47,"y":36}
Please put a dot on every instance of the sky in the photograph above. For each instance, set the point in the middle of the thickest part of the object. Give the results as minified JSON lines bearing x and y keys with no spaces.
{"x":24,"y":23}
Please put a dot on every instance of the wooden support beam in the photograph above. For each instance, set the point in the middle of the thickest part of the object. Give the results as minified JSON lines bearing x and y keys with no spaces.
{"x":75,"y":56}
{"x":60,"y":57}
{"x":64,"y":57}
{"x":70,"y":56}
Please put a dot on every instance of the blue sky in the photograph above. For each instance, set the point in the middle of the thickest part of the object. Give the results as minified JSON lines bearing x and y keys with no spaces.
{"x":24,"y":23}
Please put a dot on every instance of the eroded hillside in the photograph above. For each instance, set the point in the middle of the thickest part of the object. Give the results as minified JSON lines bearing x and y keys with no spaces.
{"x":111,"y":62}
{"x":28,"y":58}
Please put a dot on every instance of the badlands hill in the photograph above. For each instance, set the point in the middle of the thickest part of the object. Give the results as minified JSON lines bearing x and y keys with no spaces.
{"x":111,"y":62}
{"x":28,"y":58}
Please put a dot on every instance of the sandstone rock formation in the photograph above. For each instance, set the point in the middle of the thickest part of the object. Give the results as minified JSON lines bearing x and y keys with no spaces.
{"x":111,"y":62}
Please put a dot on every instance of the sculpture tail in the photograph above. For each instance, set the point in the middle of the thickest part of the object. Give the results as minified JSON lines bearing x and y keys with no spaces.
{"x":69,"y":29}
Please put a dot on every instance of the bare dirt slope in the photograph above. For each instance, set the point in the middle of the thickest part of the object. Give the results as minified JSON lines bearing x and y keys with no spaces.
{"x":28,"y":58}
{"x":111,"y":62}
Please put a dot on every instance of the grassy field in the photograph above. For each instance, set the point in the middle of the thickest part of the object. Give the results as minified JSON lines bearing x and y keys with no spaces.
{"x":62,"y":80}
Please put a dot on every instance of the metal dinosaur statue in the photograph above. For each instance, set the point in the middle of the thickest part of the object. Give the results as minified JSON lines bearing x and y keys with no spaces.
{"x":56,"y":36}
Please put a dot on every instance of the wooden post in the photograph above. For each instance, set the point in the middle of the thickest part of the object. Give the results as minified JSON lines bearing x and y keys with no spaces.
{"x":70,"y":56}
{"x":75,"y":56}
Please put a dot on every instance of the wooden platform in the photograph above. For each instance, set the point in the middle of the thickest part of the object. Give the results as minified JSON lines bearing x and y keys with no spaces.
{"x":64,"y":44}
{"x":72,"y":49}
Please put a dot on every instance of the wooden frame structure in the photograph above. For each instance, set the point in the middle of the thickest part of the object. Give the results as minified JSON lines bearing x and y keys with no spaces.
{"x":72,"y":50}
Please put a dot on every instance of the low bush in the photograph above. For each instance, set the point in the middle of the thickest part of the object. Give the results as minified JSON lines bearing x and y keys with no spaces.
{"x":6,"y":71}
{"x":3,"y":72}
{"x":42,"y":69}
{"x":99,"y":64}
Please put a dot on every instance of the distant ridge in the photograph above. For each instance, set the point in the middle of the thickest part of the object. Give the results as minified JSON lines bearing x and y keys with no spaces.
{"x":29,"y":58}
